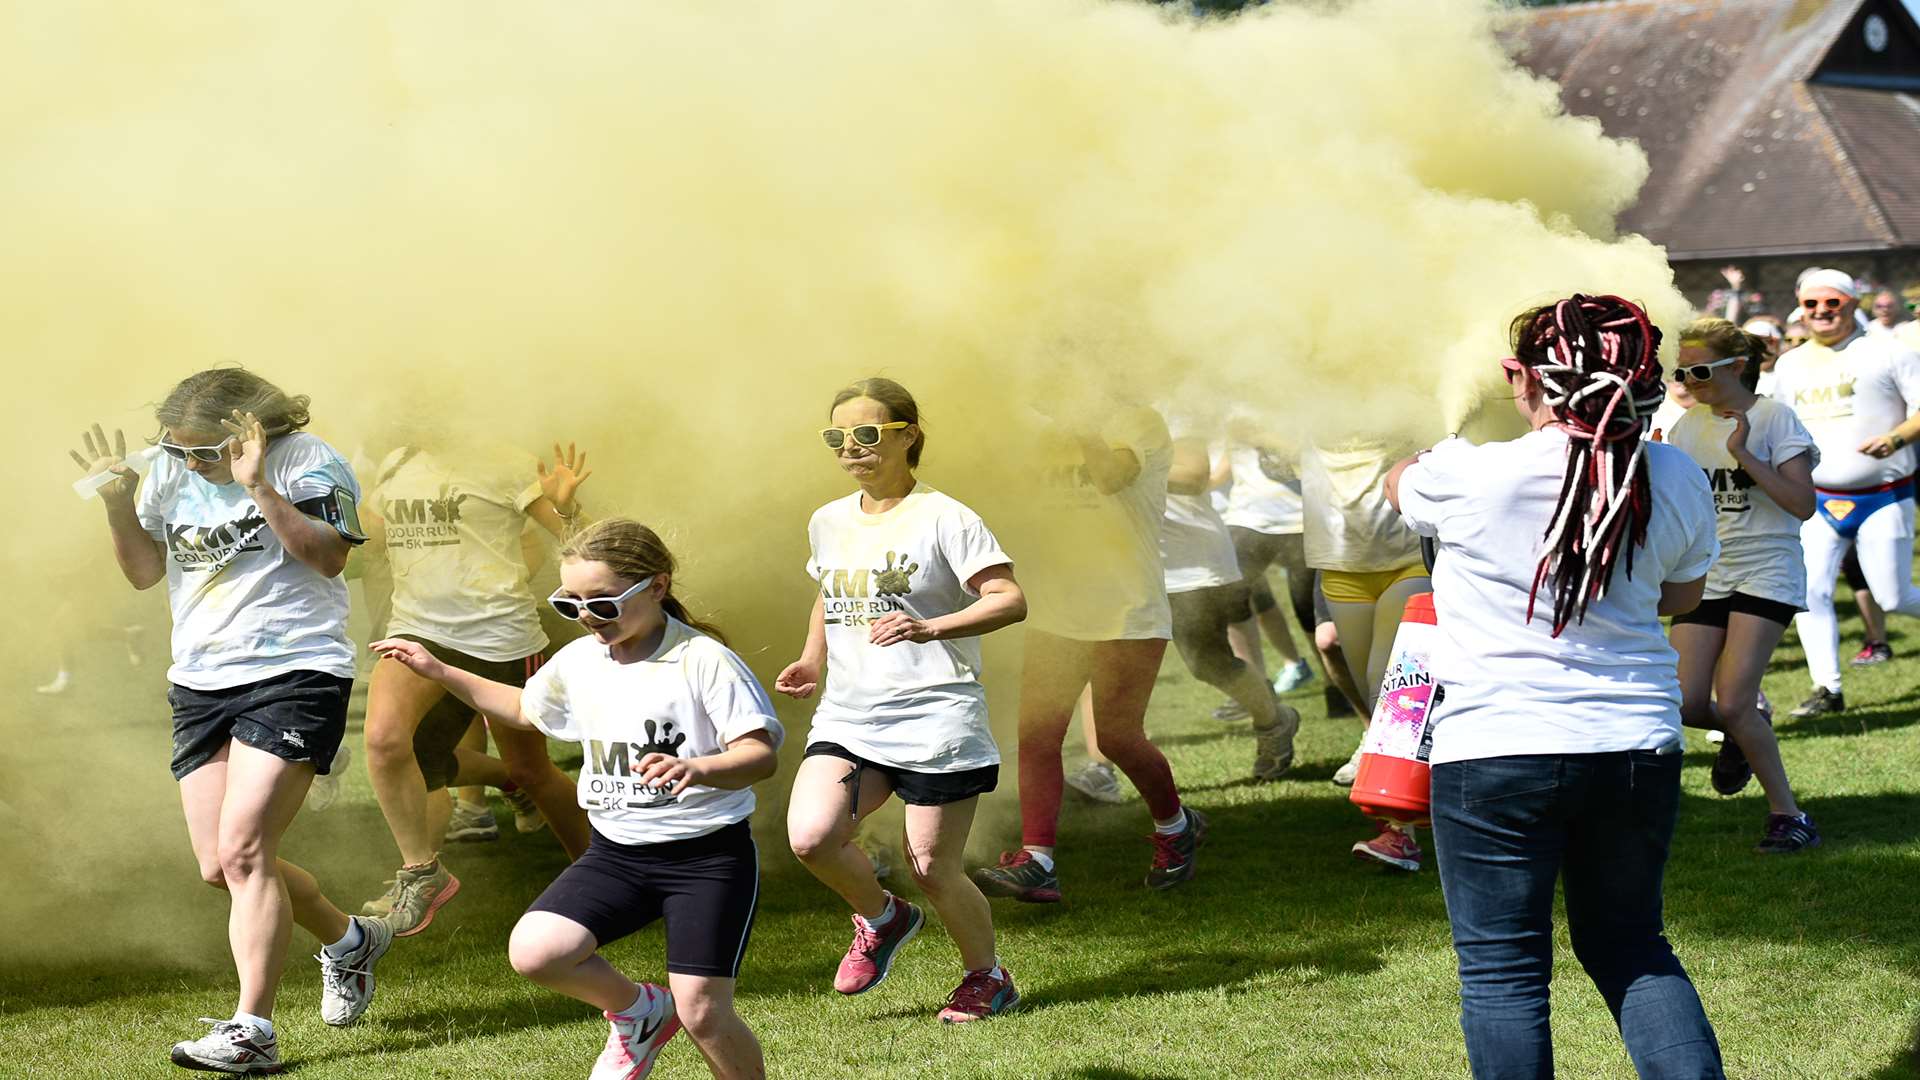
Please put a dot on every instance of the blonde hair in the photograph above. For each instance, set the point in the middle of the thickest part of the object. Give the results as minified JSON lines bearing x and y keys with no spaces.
{"x":1727,"y":341}
{"x":634,"y":552}
{"x":202,"y":400}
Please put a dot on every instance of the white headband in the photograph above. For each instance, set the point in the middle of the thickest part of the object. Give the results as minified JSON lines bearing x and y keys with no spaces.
{"x":1838,"y":280}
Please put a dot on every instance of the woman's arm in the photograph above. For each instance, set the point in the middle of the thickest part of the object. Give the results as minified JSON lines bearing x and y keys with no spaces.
{"x":745,"y":762}
{"x":1110,"y":469}
{"x":1790,"y":485}
{"x":318,"y":545}
{"x":1001,"y":603}
{"x":557,"y":509}
{"x":802,"y":677}
{"x":1680,"y":597}
{"x":1189,"y":474}
{"x":1392,"y":482}
{"x":498,"y":702}
{"x":142,"y":560}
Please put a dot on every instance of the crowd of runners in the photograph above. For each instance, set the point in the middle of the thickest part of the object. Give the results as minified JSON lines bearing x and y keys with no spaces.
{"x":1163,"y":527}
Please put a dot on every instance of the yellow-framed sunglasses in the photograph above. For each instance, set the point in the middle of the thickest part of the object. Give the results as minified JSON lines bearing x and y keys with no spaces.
{"x":861,"y":434}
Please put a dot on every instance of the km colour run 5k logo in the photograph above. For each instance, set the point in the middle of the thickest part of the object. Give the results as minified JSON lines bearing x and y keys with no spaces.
{"x":419,"y":523}
{"x":196,"y":548}
{"x":857,"y":597}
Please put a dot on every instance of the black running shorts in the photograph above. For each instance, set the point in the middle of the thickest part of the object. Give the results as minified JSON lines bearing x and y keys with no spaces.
{"x":1714,"y":612}
{"x":917,"y":788}
{"x":440,"y":731}
{"x":300,"y":716}
{"x":706,"y":888}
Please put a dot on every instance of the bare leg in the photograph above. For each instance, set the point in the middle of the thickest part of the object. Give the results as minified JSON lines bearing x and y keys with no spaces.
{"x":936,"y":840}
{"x":562,"y":956}
{"x":1272,"y":620}
{"x":525,"y":755}
{"x":705,"y":1007}
{"x":1333,"y":661}
{"x":1123,"y":674}
{"x":1054,"y":673}
{"x":1084,"y":710}
{"x":474,"y":741}
{"x":1871,"y":615}
{"x":821,"y":826}
{"x":397,"y":700}
{"x":1749,"y":644}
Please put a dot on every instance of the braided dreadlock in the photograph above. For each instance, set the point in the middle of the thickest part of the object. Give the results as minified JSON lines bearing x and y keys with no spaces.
{"x":1596,"y":360}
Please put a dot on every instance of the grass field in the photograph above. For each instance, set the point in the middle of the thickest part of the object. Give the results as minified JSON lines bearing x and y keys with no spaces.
{"x":1286,"y":957}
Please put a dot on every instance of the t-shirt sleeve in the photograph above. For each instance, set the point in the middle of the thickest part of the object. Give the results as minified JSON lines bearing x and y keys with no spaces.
{"x":543,"y":702}
{"x":310,"y":469}
{"x":1142,"y":432}
{"x":528,"y":496}
{"x":147,"y":505}
{"x":969,"y":546}
{"x":731,"y":696}
{"x":1788,"y":438}
{"x":813,"y":545}
{"x":1695,"y":502}
{"x":1436,"y":486}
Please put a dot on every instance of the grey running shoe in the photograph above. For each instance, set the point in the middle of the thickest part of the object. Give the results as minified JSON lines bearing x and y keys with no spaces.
{"x":421,"y":892}
{"x":231,"y":1047}
{"x":1020,"y":876}
{"x":1823,"y":702}
{"x":382,"y":906}
{"x":1786,"y":835}
{"x":325,"y":789}
{"x":527,"y":817}
{"x":346,"y":984}
{"x":1098,"y":781}
{"x":1173,"y":856}
{"x":471,"y":824}
{"x":1346,"y":774}
{"x":1273,"y":746}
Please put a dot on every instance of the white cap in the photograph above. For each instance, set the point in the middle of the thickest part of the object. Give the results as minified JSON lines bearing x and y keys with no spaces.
{"x":1838,"y":280}
{"x":1762,"y":327}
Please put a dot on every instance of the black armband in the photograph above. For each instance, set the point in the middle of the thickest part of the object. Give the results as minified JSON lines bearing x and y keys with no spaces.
{"x":338,"y":509}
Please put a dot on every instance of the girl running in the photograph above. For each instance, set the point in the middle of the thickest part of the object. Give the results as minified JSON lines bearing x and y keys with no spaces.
{"x":249,"y":520}
{"x":1759,"y":461}
{"x":1556,"y":748}
{"x":909,"y":579}
{"x":1101,"y":617}
{"x":450,"y":528}
{"x":676,"y":731}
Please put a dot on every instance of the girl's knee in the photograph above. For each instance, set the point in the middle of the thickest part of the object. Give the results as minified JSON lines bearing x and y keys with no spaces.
{"x":536,"y":957}
{"x":705,"y":1016}
{"x":388,"y":744}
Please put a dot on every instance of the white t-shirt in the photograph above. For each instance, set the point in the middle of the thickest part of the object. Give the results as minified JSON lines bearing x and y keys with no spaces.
{"x":1097,"y":574}
{"x":1350,"y":526}
{"x":691,"y":698}
{"x":454,"y":529}
{"x":1759,"y":542}
{"x":244,"y":609}
{"x":1867,"y":386}
{"x":1608,"y":683}
{"x":1195,"y":546}
{"x":1256,"y":500}
{"x":915,"y":706}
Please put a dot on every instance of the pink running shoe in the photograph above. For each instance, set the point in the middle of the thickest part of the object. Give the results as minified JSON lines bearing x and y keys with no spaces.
{"x":871,"y":955}
{"x":979,"y":996}
{"x":635,"y":1041}
{"x":1393,"y":847}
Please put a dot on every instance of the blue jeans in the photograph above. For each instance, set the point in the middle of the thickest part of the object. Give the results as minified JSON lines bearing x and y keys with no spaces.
{"x":1504,"y":829}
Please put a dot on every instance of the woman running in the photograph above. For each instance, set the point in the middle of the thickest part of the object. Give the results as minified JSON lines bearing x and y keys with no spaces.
{"x":249,"y":520}
{"x":1370,"y":564}
{"x":1556,"y":746}
{"x":676,"y":731}
{"x":909,"y":579}
{"x":1759,"y":461}
{"x":450,"y":527}
{"x":1100,"y":616}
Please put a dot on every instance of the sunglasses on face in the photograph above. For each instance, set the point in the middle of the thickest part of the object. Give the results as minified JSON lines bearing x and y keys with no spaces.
{"x":1702,"y":372}
{"x":861,"y":434}
{"x":604,"y":608}
{"x":1823,"y":303}
{"x":212,"y":455}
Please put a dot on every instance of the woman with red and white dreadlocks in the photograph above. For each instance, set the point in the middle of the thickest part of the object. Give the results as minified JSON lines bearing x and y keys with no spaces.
{"x":1556,"y":738}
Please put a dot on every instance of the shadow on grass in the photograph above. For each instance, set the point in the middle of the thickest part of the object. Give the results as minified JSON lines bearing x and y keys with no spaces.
{"x":31,"y":986}
{"x":1101,"y":1072}
{"x":1905,"y":1066}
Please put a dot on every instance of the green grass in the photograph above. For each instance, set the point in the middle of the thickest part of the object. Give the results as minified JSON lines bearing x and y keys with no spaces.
{"x":1285,"y":957}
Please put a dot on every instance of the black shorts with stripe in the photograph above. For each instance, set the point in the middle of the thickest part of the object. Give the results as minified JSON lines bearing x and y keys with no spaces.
{"x":706,"y":888}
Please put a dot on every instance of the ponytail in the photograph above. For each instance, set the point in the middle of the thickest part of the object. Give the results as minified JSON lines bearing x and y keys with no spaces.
{"x":634,"y":552}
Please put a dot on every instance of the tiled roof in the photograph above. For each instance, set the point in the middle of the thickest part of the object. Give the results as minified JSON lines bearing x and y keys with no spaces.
{"x":1771,"y":127}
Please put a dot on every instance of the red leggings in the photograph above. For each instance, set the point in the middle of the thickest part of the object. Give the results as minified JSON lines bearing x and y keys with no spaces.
{"x":1122,"y":674}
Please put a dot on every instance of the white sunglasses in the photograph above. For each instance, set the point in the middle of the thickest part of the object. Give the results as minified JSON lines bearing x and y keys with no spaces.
{"x":1703,"y":372}
{"x":604,"y":608}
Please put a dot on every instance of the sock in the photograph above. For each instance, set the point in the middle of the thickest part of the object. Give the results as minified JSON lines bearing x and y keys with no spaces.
{"x":640,"y":1006}
{"x":995,"y":970}
{"x":1173,"y":826}
{"x":1045,"y":860}
{"x":260,"y":1022}
{"x":352,"y":940}
{"x":886,"y":915}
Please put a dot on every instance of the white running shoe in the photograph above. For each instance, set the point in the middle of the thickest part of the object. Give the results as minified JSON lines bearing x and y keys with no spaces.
{"x":1716,"y":737}
{"x":231,"y":1047}
{"x":634,"y":1042}
{"x":325,"y":789}
{"x":1293,"y":677}
{"x":1346,"y":774}
{"x":527,"y":817}
{"x":471,"y":824}
{"x":1098,"y":781}
{"x":346,"y":984}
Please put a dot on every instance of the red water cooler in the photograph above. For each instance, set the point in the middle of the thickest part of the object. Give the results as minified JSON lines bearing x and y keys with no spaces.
{"x":1393,"y":782}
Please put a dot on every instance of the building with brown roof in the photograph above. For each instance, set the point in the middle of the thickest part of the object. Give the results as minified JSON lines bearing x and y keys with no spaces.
{"x":1781,"y":133}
